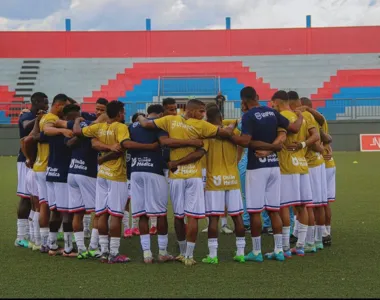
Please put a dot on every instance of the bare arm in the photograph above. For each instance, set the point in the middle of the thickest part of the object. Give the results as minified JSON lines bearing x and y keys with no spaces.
{"x":296,"y":126}
{"x":101,"y":147}
{"x":109,"y":156}
{"x":128,"y":144}
{"x":77,"y":130}
{"x":310,"y":141}
{"x":50,"y":130}
{"x":188,"y":159}
{"x":166,"y":141}
{"x":325,"y":138}
{"x":28,"y":124}
{"x":145,"y":123}
{"x":73,"y":142}
{"x":317,"y":116}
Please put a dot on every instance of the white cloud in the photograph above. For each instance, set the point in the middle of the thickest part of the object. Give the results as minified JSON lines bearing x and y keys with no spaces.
{"x":186,"y":14}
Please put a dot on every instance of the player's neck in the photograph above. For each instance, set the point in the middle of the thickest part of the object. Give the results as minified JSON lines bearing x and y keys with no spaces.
{"x":253,"y":104}
{"x":54,"y":111}
{"x":34,"y":110}
{"x":284,"y":107}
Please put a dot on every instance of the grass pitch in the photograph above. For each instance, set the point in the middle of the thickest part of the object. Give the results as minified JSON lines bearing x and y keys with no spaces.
{"x":349,"y":268}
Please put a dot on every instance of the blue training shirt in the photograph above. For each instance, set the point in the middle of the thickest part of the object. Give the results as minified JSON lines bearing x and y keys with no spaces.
{"x":84,"y":159}
{"x":146,"y":161}
{"x":261,"y":123}
{"x":59,"y":159}
{"x":24,"y":132}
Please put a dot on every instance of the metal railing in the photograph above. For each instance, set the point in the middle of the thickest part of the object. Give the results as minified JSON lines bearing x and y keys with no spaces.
{"x":332,"y":109}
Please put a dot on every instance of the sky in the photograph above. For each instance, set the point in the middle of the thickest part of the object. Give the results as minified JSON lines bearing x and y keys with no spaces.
{"x":50,"y":15}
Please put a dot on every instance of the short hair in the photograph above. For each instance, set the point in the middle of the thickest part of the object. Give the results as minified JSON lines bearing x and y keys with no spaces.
{"x":248,"y":92}
{"x":114,"y":108}
{"x":282,"y":95}
{"x":211,"y":105}
{"x":306,"y":102}
{"x":38,"y":97}
{"x":168,"y":101}
{"x":60,"y":98}
{"x":102,"y":101}
{"x":194,"y":102}
{"x":293,"y":95}
{"x":134,"y":117}
{"x":71,"y":100}
{"x":70,"y":108}
{"x":213,"y":114}
{"x":155,"y":109}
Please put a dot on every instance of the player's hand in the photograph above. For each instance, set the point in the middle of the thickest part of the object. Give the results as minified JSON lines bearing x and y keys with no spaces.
{"x":116,"y":148}
{"x":197,"y":143}
{"x":102,"y":118}
{"x":294,"y":146}
{"x":40,"y":114}
{"x":278,"y":146}
{"x":262,"y":153}
{"x":67,"y":133}
{"x":156,"y":146}
{"x":172,"y":166}
{"x":327,"y":156}
{"x":25,"y":110}
{"x":100,"y":160}
{"x":29,"y":163}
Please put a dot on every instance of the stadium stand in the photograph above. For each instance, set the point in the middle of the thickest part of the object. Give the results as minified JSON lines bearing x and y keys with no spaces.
{"x":142,"y":67}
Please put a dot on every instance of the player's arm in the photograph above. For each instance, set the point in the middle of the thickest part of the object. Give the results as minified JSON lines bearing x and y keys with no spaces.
{"x":317,"y":115}
{"x":50,"y":130}
{"x":101,"y":147}
{"x":292,"y":127}
{"x":188,"y":159}
{"x":131,"y":145}
{"x":325,"y":137}
{"x":145,"y":123}
{"x":166,"y":141}
{"x":327,"y":155}
{"x":74,"y":141}
{"x":109,"y":156}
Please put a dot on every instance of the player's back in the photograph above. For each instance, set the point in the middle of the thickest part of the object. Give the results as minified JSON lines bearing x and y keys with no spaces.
{"x":24,"y":132}
{"x":59,"y":159}
{"x":329,"y":163}
{"x":313,"y":158}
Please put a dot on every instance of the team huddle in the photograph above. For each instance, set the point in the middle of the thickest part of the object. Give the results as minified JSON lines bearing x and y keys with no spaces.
{"x":74,"y":163}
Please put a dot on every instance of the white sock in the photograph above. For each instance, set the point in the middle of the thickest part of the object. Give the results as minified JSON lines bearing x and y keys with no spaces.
{"x":163,"y":244}
{"x":223,"y":221}
{"x":296,"y":227}
{"x":328,"y":229}
{"x":44,"y":231}
{"x":53,"y":240}
{"x":135,"y":223}
{"x":21,"y":228}
{"x":153,"y":222}
{"x":240,"y":245}
{"x":182,"y":247}
{"x":319,"y":232}
{"x":36,"y":229}
{"x":94,"y":242}
{"x":212,"y":247}
{"x":145,"y":242}
{"x":126,"y":219}
{"x":68,"y":238}
{"x":302,"y":230}
{"x":277,"y":243}
{"x":86,"y":222}
{"x":61,"y":228}
{"x":79,"y":238}
{"x":310,"y":235}
{"x":114,"y":245}
{"x":256,"y":245}
{"x":31,"y":228}
{"x":189,"y":249}
{"x":103,"y":241}
{"x":286,"y":238}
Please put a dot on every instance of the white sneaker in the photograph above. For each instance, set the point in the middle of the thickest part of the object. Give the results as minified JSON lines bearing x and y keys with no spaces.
{"x":226,"y":230}
{"x":205,"y":230}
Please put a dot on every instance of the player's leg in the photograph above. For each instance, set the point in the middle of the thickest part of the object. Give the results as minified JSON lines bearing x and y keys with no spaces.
{"x":255,"y":184}
{"x":194,"y":208}
{"x":116,"y":204}
{"x":214,"y":206}
{"x":320,"y":193}
{"x":267,"y":225}
{"x":127,"y":230}
{"x":44,"y":216}
{"x":101,"y":200}
{"x":177,"y":196}
{"x":302,"y":219}
{"x":86,"y":225}
{"x":272,"y":204}
{"x":242,"y":166}
{"x":55,"y":221}
{"x":223,"y":223}
{"x":235,"y":209}
{"x":33,"y":189}
{"x":330,"y":178}
{"x":153,"y":226}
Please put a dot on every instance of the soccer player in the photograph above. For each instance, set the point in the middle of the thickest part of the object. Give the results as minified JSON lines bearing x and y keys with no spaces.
{"x":40,"y":165}
{"x":222,"y":190}
{"x":295,"y":188}
{"x":186,"y":187}
{"x":149,"y":189}
{"x":26,"y":207}
{"x":100,"y":108}
{"x":330,"y":166}
{"x":263,"y":128}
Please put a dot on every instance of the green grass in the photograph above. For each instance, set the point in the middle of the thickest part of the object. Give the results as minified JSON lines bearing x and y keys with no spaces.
{"x":349,"y":268}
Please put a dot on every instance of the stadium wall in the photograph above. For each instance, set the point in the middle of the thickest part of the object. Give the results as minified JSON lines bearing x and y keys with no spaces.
{"x":344,"y":133}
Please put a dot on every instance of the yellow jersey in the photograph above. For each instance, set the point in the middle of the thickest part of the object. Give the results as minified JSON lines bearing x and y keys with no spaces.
{"x":110,"y":134}
{"x":329,"y":163}
{"x":184,"y":129}
{"x":227,"y":122}
{"x":314,"y":159}
{"x":43,"y":148}
{"x":222,"y":171}
{"x":293,"y":162}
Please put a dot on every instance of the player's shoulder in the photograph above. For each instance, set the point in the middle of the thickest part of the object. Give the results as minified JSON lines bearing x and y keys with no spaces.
{"x":290,"y":115}
{"x":227,"y":122}
{"x":27,"y":116}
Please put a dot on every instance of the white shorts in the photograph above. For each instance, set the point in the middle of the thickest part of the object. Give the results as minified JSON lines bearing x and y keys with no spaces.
{"x":187,"y":197}
{"x":111,"y":197}
{"x":81,"y":193}
{"x":292,"y":191}
{"x":330,"y":178}
{"x":22,"y":171}
{"x":306,"y":194}
{"x":216,"y":201}
{"x":149,"y":193}
{"x":58,"y":196}
{"x":262,"y":189}
{"x":166,"y":173}
{"x":41,"y":185}
{"x":204,"y":172}
{"x":31,"y":183}
{"x":318,"y":185}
